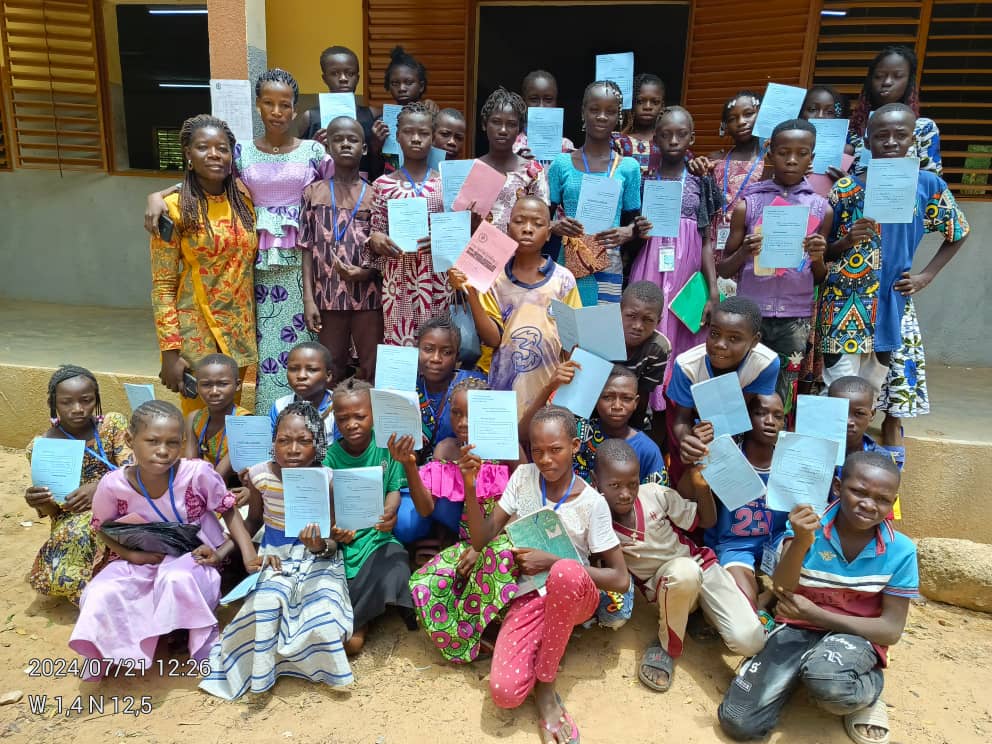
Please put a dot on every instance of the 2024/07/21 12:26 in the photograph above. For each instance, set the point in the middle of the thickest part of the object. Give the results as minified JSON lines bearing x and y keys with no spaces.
{"x":61,"y":668}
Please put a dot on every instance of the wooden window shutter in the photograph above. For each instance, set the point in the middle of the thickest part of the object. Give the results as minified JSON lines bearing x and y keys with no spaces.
{"x":956,"y":92}
{"x":740,"y":45}
{"x":53,"y":81}
{"x":435,"y":32}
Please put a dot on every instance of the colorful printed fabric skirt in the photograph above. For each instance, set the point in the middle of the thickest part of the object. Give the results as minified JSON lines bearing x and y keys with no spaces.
{"x":904,"y":394}
{"x":69,"y":558}
{"x":454,"y":610}
{"x":279,"y":327}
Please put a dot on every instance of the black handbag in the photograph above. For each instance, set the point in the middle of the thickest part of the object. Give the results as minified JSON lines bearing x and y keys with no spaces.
{"x":170,"y":538}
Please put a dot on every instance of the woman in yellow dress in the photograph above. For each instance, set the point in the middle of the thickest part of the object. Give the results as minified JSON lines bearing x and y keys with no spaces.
{"x":202,"y":279}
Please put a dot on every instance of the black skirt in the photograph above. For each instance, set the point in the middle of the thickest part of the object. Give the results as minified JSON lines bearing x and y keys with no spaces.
{"x":384,"y":579}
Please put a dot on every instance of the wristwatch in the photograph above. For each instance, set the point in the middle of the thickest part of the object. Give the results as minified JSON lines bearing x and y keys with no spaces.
{"x":330,"y":548}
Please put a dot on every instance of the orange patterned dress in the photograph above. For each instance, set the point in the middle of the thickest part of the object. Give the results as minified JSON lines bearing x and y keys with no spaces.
{"x":203,"y":292}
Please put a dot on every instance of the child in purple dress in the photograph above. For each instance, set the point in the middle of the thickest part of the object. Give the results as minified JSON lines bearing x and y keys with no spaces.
{"x":142,"y":595}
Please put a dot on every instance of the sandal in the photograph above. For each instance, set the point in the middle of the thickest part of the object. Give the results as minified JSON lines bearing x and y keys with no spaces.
{"x":565,"y":719}
{"x":655,"y":657}
{"x":876,"y":715}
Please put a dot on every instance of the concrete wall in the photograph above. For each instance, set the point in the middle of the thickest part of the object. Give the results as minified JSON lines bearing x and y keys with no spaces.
{"x":956,"y":309}
{"x":76,"y":238}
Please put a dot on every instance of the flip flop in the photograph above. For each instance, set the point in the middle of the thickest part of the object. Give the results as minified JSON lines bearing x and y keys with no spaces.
{"x":655,"y":657}
{"x":565,"y":719}
{"x":875,"y":714}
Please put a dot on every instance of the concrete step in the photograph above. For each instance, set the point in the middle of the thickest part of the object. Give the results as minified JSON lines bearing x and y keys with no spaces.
{"x":949,"y":452}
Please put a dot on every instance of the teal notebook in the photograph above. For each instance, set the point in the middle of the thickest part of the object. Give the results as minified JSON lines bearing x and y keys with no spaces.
{"x":541,"y":530}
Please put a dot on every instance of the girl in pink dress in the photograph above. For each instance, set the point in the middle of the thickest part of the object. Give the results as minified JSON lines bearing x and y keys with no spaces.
{"x":141,"y":596}
{"x":693,"y":247}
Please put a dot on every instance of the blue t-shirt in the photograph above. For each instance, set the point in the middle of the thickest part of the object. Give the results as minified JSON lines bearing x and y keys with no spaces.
{"x":652,"y":464}
{"x":325,"y":409}
{"x":748,"y":527}
{"x":680,"y":386}
{"x":565,"y":183}
{"x":936,"y":211}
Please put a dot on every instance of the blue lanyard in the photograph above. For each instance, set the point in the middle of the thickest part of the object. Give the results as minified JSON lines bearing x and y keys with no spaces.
{"x":685,"y":170}
{"x":585,"y":162}
{"x":172,"y":495}
{"x":726,"y":178}
{"x":564,"y":497}
{"x":334,"y":208}
{"x":417,"y":189}
{"x":223,"y":436}
{"x":101,"y":456}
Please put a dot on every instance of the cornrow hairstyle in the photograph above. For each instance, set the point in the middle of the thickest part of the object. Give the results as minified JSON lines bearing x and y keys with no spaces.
{"x":332,"y":51}
{"x":612,"y":89}
{"x":910,"y":97}
{"x":416,"y":107}
{"x":441,"y":323}
{"x":755,"y":101}
{"x":852,"y":384}
{"x":324,"y":352}
{"x":67,"y":372}
{"x":891,"y":108}
{"x":151,"y":410}
{"x":670,"y":111}
{"x":313,"y":422}
{"x":874,"y":459}
{"x":640,"y":80}
{"x":744,"y":307}
{"x":647,"y":292}
{"x":470,"y":383}
{"x":620,"y":371}
{"x":535,"y":75}
{"x":615,"y":451}
{"x":451,"y":113}
{"x":351,"y":386}
{"x":792,"y":125}
{"x":400,"y":58}
{"x":559,"y":415}
{"x":277,"y":75}
{"x":222,"y":360}
{"x":500,"y":99}
{"x":192,"y":197}
{"x":840,"y":101}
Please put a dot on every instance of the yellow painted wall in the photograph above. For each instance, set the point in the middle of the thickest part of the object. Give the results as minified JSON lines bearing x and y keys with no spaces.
{"x":297,"y":31}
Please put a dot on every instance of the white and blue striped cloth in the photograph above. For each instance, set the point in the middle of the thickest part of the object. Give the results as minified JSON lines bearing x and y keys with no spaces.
{"x":294,"y":623}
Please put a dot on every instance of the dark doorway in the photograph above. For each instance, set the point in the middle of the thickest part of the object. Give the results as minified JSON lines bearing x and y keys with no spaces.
{"x":565,"y":39}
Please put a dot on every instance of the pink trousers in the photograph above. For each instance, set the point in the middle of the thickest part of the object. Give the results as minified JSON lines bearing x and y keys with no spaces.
{"x":536,"y":631}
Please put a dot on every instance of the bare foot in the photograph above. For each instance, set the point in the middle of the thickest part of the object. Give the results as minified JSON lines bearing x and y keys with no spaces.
{"x":356,"y":643}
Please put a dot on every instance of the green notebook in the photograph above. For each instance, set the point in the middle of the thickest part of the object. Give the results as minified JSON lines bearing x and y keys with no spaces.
{"x":689,"y":303}
{"x":541,"y":530}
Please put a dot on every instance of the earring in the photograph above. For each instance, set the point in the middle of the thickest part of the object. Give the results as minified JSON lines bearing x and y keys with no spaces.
{"x":99,"y":419}
{"x":723,"y":129}
{"x":54,"y":420}
{"x":189,"y":165}
{"x":583,"y":124}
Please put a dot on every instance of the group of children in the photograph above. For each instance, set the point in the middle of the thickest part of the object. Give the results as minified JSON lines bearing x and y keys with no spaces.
{"x":626,"y":483}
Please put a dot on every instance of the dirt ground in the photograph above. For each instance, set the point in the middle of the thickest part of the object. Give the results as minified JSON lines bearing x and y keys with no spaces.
{"x":940,"y":675}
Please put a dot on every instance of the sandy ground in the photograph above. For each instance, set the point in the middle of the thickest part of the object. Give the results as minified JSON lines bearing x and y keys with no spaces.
{"x":405,"y":693}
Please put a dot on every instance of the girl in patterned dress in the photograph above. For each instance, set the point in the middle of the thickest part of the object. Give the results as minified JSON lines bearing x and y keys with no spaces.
{"x":206,"y":428}
{"x":411,"y":291}
{"x":73,"y":553}
{"x":637,"y":139}
{"x":297,"y":618}
{"x":503,"y":115}
{"x":142,"y":595}
{"x":460,"y":591}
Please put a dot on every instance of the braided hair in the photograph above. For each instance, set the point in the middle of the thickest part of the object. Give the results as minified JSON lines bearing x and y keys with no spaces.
{"x":754,"y":100}
{"x":500,"y":99}
{"x":67,"y":372}
{"x":910,"y":96}
{"x":277,"y":75}
{"x":151,"y":410}
{"x":840,"y":102}
{"x":470,"y":383}
{"x":640,"y":80}
{"x":612,"y":89}
{"x":413,"y":108}
{"x":399,"y":57}
{"x":193,"y":199}
{"x":560,"y":415}
{"x":441,"y":323}
{"x":312,"y":420}
{"x":351,"y":386}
